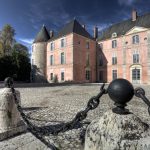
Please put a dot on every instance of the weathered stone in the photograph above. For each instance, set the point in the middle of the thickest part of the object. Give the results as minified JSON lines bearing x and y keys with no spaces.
{"x":117,"y":132}
{"x":10,"y":120}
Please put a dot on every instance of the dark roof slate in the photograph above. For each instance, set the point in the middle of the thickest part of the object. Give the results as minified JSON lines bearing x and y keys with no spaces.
{"x":72,"y":27}
{"x":124,"y":26}
{"x":42,"y":36}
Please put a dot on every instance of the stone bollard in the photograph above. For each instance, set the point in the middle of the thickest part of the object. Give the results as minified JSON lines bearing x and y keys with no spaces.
{"x":10,"y":120}
{"x":118,"y":129}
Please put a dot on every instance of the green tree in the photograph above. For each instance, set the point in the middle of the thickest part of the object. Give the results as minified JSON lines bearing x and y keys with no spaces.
{"x":7,"y":38}
{"x":1,"y":49}
{"x":21,"y":49}
{"x":7,"y":67}
{"x":22,"y":61}
{"x":14,"y":57}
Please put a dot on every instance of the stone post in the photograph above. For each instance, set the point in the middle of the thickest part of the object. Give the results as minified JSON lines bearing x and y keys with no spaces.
{"x":118,"y":129}
{"x":10,"y":120}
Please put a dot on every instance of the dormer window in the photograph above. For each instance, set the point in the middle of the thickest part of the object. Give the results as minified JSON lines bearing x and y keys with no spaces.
{"x":62,"y":42}
{"x":135,"y":39}
{"x":114,"y":43}
{"x":51,"y":46}
{"x":114,"y":35}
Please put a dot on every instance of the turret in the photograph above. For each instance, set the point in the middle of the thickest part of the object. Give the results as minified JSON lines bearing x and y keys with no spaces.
{"x":39,"y":56}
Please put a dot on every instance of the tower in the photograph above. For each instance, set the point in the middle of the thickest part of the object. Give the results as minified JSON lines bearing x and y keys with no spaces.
{"x":39,"y":56}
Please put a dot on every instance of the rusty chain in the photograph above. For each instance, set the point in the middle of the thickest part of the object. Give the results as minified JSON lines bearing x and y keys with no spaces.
{"x":55,"y":129}
{"x":140,"y":93}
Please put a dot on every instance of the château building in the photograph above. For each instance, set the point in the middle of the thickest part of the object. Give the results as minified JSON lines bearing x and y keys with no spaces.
{"x":120,"y":51}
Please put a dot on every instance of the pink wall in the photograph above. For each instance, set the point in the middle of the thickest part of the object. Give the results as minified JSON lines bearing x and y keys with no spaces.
{"x":124,"y":52}
{"x":75,"y":58}
{"x":57,"y":67}
{"x":80,"y":58}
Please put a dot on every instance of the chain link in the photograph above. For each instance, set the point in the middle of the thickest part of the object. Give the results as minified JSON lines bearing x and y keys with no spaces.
{"x":30,"y":127}
{"x":139,"y":92}
{"x":55,"y":129}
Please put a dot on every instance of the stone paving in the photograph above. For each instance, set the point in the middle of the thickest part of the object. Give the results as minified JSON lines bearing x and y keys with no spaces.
{"x":56,"y":104}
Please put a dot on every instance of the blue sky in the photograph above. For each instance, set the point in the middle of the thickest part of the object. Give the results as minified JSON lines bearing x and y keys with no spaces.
{"x":28,"y":16}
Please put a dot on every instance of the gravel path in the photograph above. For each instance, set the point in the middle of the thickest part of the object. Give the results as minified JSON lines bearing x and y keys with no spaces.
{"x":51,"y":105}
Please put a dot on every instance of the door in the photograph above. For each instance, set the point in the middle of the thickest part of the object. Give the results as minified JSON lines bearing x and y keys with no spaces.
{"x":136,"y":75}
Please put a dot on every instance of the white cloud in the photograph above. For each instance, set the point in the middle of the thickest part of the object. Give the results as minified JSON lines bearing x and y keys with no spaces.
{"x":26,"y":41}
{"x":126,"y":2}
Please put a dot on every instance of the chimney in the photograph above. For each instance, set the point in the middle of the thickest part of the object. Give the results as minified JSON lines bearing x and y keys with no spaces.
{"x":134,"y":15}
{"x":83,"y":26}
{"x":95,"y":32}
{"x":51,"y":33}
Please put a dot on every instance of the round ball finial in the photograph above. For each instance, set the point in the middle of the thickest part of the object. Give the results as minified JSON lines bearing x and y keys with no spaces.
{"x":120,"y":91}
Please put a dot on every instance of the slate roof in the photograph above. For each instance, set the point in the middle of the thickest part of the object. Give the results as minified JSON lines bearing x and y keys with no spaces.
{"x":72,"y":27}
{"x":42,"y":36}
{"x":124,"y":26}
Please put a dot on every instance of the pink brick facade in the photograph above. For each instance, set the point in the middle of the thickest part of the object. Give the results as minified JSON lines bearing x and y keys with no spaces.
{"x":136,"y":71}
{"x":123,"y":51}
{"x":75,"y":57}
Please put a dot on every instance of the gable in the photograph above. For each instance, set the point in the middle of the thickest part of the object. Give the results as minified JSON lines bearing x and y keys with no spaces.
{"x":136,"y":30}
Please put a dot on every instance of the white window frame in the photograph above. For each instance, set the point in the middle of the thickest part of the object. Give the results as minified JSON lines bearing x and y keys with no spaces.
{"x":51,"y":60}
{"x":114,"y":43}
{"x":114,"y":73}
{"x":135,"y":39}
{"x":52,"y":46}
{"x":114,"y":58}
{"x":61,"y":58}
{"x":64,"y":45}
{"x":136,"y":54}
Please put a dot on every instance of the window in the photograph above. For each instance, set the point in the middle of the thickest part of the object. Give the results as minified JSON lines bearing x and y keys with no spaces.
{"x":114,"y":74}
{"x":135,"y":39}
{"x":100,"y":60}
{"x":62,"y":58}
{"x":114,"y":59}
{"x":87,"y":45}
{"x":62,"y":76}
{"x":135,"y":57}
{"x":32,"y":61}
{"x":51,"y":76}
{"x":51,"y":46}
{"x":62,"y":42}
{"x":114,"y":43}
{"x":51,"y":60}
{"x":136,"y":74}
{"x":114,"y":35}
{"x":87,"y":75}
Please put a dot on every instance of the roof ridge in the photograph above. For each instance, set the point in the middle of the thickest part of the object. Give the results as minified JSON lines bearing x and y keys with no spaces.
{"x":42,"y":36}
{"x":72,"y":27}
{"x":123,"y":26}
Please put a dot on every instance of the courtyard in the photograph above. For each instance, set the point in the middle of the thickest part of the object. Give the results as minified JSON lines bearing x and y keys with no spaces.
{"x":46,"y":105}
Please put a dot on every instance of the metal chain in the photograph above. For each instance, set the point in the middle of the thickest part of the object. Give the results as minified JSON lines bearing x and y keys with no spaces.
{"x":30,"y":127}
{"x":139,"y":92}
{"x":80,"y":116}
{"x":55,"y":129}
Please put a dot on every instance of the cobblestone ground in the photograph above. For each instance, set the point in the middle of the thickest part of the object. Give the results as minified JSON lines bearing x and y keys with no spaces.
{"x":50,"y":105}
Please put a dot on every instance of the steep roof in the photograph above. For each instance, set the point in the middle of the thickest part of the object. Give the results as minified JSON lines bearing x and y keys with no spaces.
{"x":73,"y":27}
{"x":124,"y":26}
{"x":42,"y":36}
